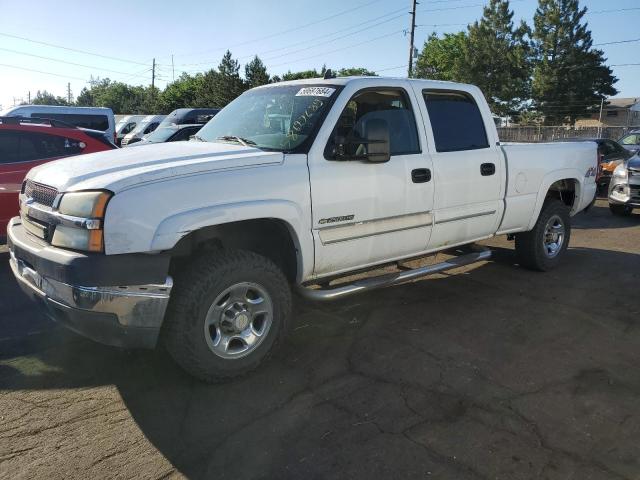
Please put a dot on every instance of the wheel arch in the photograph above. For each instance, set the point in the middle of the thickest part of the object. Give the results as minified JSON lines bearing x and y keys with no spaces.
{"x":564,"y":185}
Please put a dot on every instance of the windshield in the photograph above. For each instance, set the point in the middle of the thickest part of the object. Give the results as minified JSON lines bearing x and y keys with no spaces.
{"x":631,"y":139}
{"x":280,"y":118}
{"x":161,"y":134}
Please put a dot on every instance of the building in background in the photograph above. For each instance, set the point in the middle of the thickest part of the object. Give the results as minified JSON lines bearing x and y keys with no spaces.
{"x":617,"y":112}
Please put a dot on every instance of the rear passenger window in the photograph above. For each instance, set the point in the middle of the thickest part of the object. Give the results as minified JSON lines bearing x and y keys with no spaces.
{"x":30,"y":146}
{"x":9,"y":147}
{"x":392,"y":106}
{"x":456,"y":122}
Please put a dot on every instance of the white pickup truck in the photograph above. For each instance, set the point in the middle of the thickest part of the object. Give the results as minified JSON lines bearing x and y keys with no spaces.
{"x":293,"y":185}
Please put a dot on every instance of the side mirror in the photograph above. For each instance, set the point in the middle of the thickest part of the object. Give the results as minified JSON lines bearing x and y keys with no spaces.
{"x":377,"y":141}
{"x":373,"y":147}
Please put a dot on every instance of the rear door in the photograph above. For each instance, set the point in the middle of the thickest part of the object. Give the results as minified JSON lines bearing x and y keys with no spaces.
{"x":469,"y":170}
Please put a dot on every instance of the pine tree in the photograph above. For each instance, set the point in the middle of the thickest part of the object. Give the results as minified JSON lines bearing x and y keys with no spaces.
{"x":255,"y":73}
{"x":220,"y":87}
{"x":569,"y":75}
{"x":497,"y":58}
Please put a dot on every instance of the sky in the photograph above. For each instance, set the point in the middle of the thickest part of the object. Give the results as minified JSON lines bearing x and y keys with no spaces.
{"x":101,"y":40}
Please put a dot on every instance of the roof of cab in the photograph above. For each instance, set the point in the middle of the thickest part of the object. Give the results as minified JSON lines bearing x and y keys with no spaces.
{"x":426,"y":83}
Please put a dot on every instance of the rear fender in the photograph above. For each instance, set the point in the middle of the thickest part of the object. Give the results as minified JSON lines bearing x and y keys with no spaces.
{"x":550,"y":179}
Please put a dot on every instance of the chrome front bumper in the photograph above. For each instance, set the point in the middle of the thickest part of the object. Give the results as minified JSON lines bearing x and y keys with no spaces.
{"x":119,"y":316}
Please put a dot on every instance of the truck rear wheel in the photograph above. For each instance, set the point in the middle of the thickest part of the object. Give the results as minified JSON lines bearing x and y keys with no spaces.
{"x":541,"y":248}
{"x":228,"y":312}
{"x":620,"y":210}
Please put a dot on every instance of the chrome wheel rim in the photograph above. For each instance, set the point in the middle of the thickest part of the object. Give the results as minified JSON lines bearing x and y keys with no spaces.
{"x":238,"y":320}
{"x":554,"y":233}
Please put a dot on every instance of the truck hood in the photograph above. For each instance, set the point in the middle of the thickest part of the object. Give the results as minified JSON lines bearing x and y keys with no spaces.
{"x":634,"y":162}
{"x":120,"y":169}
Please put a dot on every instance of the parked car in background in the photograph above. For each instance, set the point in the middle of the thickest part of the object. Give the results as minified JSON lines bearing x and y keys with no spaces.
{"x":610,"y":154}
{"x":147,"y":125}
{"x":28,"y":142}
{"x":631,"y":141}
{"x":184,"y":116}
{"x":624,"y":190}
{"x":173,"y":133}
{"x":93,"y":118}
{"x":126,"y":125}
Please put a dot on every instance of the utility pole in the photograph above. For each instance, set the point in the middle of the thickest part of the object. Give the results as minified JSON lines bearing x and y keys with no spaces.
{"x":600,"y":117}
{"x":29,"y":97}
{"x":173,"y":71}
{"x":153,"y":79}
{"x":69,"y":92}
{"x":411,"y":36}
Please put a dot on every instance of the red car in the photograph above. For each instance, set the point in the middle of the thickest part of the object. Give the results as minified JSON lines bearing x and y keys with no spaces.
{"x":28,"y":142}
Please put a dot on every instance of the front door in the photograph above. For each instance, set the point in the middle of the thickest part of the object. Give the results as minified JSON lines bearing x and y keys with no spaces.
{"x":368,"y":213}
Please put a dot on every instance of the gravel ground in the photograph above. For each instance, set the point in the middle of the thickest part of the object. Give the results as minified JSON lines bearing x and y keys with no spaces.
{"x":489,"y":371}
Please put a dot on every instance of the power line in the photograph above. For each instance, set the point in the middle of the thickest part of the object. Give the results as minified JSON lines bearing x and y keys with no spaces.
{"x":40,"y":71}
{"x":617,"y":42}
{"x":300,"y":27}
{"x":339,"y":49}
{"x":63,"y":61}
{"x":321,"y":37}
{"x":70,"y":49}
{"x":612,"y":11}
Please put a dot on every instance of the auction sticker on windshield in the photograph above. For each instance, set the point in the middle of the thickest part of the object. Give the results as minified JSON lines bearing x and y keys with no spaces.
{"x":315,"y":92}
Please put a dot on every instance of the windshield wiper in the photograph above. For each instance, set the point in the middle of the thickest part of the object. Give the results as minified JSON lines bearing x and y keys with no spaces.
{"x":198,"y":138}
{"x":233,"y":138}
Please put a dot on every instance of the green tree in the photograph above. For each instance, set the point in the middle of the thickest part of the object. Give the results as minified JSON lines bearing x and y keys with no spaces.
{"x":496,"y":58}
{"x":255,"y":73}
{"x":301,"y":75}
{"x":355,"y":72}
{"x":443,"y":58}
{"x":45,"y":98}
{"x":224,"y":85}
{"x":569,"y":75}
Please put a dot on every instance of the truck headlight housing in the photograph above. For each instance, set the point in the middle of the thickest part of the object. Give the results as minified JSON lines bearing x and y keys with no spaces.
{"x":81,"y":221}
{"x":620,"y":173}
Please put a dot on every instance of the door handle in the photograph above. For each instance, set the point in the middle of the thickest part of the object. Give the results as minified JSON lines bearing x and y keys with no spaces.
{"x":420,"y":175}
{"x":487,"y":169}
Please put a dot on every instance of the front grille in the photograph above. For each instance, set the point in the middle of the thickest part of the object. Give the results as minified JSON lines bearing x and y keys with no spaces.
{"x":41,"y":194}
{"x":635,"y":193}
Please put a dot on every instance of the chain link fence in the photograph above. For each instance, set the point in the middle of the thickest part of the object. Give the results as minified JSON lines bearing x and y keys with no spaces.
{"x":534,"y":134}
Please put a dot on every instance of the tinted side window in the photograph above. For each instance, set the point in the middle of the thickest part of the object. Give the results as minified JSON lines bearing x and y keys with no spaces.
{"x":456,"y":122}
{"x":151,"y":127}
{"x":9,"y":147}
{"x":40,"y":146}
{"x":391,"y":106}
{"x":184,"y":134}
{"x":93,"y":122}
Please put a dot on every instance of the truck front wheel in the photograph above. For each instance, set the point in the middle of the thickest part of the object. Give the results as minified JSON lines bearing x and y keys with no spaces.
{"x":229,"y":310}
{"x":541,"y":248}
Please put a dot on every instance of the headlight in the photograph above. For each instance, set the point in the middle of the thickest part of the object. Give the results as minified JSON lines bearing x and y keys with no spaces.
{"x":620,"y":173}
{"x":81,"y":221}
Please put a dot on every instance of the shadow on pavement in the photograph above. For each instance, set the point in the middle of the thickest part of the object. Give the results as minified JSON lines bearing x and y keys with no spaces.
{"x":599,"y":217}
{"x":492,"y":372}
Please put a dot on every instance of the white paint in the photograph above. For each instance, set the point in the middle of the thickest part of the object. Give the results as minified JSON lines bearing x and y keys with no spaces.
{"x":164,"y":191}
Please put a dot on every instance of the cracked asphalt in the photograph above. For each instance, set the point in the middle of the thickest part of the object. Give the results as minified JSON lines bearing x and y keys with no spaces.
{"x":488,"y":372}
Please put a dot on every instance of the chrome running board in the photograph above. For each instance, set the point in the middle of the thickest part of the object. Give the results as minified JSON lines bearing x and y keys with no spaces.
{"x":389,"y":279}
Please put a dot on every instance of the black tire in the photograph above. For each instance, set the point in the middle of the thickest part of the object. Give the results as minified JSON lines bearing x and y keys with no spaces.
{"x":530,"y":246}
{"x":197,"y":287}
{"x":620,"y":210}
